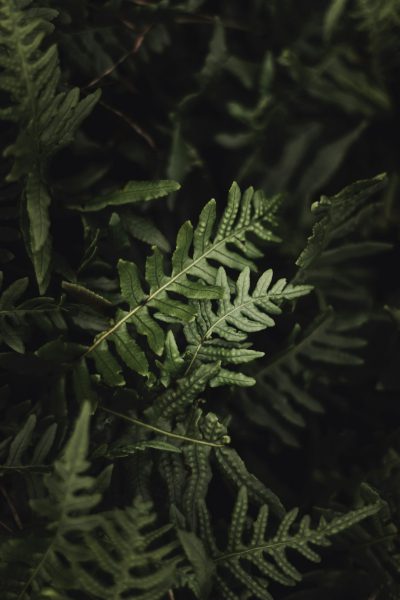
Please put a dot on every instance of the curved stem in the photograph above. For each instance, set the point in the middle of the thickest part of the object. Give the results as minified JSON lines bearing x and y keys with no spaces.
{"x":176,"y":436}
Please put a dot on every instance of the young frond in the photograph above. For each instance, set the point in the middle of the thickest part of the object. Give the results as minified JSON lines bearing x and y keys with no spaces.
{"x":251,"y":559}
{"x":221,"y":334}
{"x":192,"y":276}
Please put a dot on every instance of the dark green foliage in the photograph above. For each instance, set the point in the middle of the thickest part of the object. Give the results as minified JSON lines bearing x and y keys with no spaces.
{"x":179,"y":372}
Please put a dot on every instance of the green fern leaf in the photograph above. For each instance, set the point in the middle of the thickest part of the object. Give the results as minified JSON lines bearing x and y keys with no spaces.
{"x":281,"y":393}
{"x":126,"y":559}
{"x":327,"y":251}
{"x":235,"y":471}
{"x":234,"y":320}
{"x":16,"y":317}
{"x":70,"y":490}
{"x":21,"y":442}
{"x":192,"y":276}
{"x":173,"y":363}
{"x":143,"y":229}
{"x":48,"y":121}
{"x":71,"y":496}
{"x":175,"y":401}
{"x":134,"y":191}
{"x":251,"y":560}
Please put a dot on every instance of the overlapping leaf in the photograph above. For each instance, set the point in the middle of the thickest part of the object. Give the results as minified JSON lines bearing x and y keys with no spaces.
{"x":164,"y":295}
{"x":328,"y":260}
{"x":221,"y":334}
{"x":71,"y":494}
{"x":283,"y":390}
{"x":14,"y":315}
{"x":126,"y":556}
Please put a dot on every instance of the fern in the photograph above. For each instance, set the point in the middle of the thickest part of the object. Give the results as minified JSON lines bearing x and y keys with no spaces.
{"x":14,"y":316}
{"x":208,"y":368}
{"x":189,"y":475}
{"x":267,"y":557}
{"x":232,"y":321}
{"x":17,"y":460}
{"x":340,"y":82}
{"x":47,"y":120}
{"x":133,"y":192}
{"x":192,"y":276}
{"x":328,"y":260}
{"x":115,"y":544}
{"x":339,"y":216}
{"x":71,"y":495}
{"x":284,"y":387}
{"x":124,"y":551}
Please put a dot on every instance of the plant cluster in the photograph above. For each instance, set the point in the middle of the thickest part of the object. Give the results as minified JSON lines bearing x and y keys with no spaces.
{"x":199,"y":398}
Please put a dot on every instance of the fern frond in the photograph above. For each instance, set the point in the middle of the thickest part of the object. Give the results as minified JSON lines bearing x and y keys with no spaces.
{"x":234,"y":469}
{"x":192,"y":275}
{"x":188,"y":475}
{"x":328,"y":260}
{"x":282,"y":392}
{"x":18,"y":460}
{"x":14,"y":316}
{"x":338,"y":216}
{"x":71,"y":496}
{"x":251,"y":560}
{"x":175,"y":401}
{"x":221,"y":335}
{"x":142,"y":228}
{"x":131,"y":193}
{"x":173,"y":363}
{"x":125,"y":557}
{"x":380,"y":21}
{"x":47,"y":120}
{"x":339,"y":81}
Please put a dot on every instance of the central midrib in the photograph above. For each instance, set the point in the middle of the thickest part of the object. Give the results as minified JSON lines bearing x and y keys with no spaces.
{"x":234,"y":309}
{"x":151,"y":297}
{"x":264,"y":547}
{"x":223,"y":318}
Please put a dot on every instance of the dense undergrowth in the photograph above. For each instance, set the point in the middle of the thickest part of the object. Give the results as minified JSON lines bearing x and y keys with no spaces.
{"x":199,"y":398}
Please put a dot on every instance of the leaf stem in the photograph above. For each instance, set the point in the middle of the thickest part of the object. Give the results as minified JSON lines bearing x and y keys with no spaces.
{"x":176,"y":436}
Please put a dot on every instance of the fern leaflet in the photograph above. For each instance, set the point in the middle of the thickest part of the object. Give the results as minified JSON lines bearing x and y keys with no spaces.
{"x":251,"y":560}
{"x":233,"y":320}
